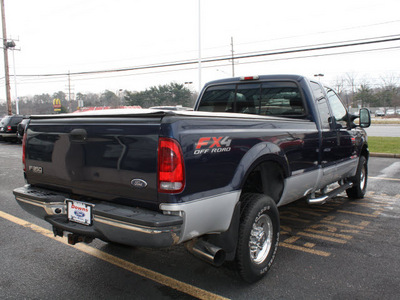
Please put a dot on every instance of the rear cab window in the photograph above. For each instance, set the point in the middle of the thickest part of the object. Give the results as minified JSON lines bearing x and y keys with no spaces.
{"x":274,"y":98}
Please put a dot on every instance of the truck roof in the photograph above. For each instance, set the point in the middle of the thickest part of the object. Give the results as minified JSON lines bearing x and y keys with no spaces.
{"x":293,"y":77}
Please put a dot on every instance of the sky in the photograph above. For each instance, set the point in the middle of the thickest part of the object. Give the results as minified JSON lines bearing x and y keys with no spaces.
{"x":75,"y":36}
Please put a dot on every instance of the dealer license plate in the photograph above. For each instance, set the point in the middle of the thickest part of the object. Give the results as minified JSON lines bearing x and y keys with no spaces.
{"x":79,"y":212}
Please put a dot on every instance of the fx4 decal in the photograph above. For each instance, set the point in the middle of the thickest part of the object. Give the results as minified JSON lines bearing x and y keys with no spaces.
{"x":213,"y":145}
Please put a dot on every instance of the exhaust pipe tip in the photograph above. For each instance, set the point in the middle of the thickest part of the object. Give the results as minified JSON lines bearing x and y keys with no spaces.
{"x":207,"y":252}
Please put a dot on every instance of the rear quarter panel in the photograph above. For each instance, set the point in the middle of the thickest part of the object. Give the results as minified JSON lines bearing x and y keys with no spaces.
{"x":219,"y":151}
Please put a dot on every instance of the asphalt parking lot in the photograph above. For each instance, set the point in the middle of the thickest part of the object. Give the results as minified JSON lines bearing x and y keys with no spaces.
{"x":344,"y":249}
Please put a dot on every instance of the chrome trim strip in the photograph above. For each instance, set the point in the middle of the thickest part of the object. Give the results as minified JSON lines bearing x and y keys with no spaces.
{"x":48,"y":207}
{"x":316,"y":179}
{"x":51,"y":206}
{"x":32,"y":202}
{"x":349,"y":167}
{"x":296,"y":185}
{"x":127,"y":226}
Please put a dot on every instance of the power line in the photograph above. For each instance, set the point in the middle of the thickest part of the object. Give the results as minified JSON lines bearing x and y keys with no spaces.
{"x":319,"y":32}
{"x":224,"y":64}
{"x":62,"y":78}
{"x":326,"y":44}
{"x":317,"y":47}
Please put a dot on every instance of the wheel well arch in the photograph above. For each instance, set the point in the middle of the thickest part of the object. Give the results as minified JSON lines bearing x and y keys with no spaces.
{"x":266,"y":176}
{"x":365,"y":151}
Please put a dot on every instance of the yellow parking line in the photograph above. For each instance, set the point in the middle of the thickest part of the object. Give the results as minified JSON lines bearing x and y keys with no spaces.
{"x":294,"y":219}
{"x":384,"y":178}
{"x":343,"y":224}
{"x":373,"y":215}
{"x":321,"y":237}
{"x":291,"y":240}
{"x":149,"y":274}
{"x":304,"y":249}
{"x":338,"y":235}
{"x":306,"y":211}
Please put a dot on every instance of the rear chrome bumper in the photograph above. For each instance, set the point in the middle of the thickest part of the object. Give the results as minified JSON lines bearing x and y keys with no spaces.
{"x":8,"y":134}
{"x":110,"y":222}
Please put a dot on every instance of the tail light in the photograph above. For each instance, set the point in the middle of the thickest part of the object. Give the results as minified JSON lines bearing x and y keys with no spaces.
{"x":24,"y":151}
{"x":171,"y":168}
{"x":8,"y":128}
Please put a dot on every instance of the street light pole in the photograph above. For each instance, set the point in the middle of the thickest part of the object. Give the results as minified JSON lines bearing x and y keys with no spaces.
{"x":200,"y":86}
{"x":319,"y":76}
{"x":233,"y":59}
{"x":6,"y":69}
{"x":15,"y":84}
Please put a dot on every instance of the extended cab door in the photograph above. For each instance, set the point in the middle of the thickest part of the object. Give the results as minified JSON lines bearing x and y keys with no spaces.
{"x":345,"y":152}
{"x":337,"y":146}
{"x":329,"y":137}
{"x":329,"y":140}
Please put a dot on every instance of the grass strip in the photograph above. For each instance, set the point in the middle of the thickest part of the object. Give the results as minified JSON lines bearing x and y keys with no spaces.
{"x":384,"y":144}
{"x":385,"y":122}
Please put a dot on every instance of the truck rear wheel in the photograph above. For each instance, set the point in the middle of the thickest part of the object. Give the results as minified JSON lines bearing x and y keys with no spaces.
{"x":258,"y":236}
{"x":360,"y":180}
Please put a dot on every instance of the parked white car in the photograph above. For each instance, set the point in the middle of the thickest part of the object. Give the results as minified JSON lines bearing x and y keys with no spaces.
{"x":390,"y":112}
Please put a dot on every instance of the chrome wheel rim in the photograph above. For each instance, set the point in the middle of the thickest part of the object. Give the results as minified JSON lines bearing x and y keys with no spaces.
{"x":260,"y":239}
{"x":363,"y":178}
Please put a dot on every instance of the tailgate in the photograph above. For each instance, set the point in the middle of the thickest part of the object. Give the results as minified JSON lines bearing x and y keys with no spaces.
{"x":109,"y":158}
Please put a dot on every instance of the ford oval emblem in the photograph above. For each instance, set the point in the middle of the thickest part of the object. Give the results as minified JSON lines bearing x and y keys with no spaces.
{"x":138,"y":183}
{"x":79,"y":214}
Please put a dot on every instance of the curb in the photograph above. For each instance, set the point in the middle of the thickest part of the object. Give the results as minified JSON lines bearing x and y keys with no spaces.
{"x":386,"y":155}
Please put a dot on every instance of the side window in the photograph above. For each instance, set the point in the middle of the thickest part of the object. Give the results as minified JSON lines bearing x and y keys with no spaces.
{"x":338,"y":109}
{"x":322,"y":105}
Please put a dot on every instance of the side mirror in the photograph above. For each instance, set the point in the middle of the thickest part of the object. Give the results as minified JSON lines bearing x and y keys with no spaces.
{"x":365,"y":118}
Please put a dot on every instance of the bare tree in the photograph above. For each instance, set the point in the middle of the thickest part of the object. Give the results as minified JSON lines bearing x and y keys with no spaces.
{"x":389,"y":91}
{"x":339,"y":85}
{"x":390,"y":80}
{"x":350,"y":80}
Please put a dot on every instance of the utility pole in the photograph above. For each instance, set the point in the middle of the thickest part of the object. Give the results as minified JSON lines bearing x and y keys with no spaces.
{"x":15,"y":83}
{"x":69,"y":90}
{"x":233,"y":62}
{"x":6,"y":70}
{"x":69,"y":94}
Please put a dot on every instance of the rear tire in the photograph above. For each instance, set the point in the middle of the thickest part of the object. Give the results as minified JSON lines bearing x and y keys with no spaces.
{"x":258,"y":236}
{"x":360,"y":180}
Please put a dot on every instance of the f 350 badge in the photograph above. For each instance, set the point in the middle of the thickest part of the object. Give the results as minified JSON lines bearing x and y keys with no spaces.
{"x":36,"y":169}
{"x":213,"y":145}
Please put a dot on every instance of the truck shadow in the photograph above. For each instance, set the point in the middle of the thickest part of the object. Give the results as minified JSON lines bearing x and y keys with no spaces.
{"x":316,"y":230}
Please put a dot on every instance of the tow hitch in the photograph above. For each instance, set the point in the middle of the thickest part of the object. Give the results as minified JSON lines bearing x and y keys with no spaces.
{"x":72,"y":237}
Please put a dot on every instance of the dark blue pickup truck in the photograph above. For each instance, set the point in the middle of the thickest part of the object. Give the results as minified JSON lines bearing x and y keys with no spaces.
{"x":211,"y":178}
